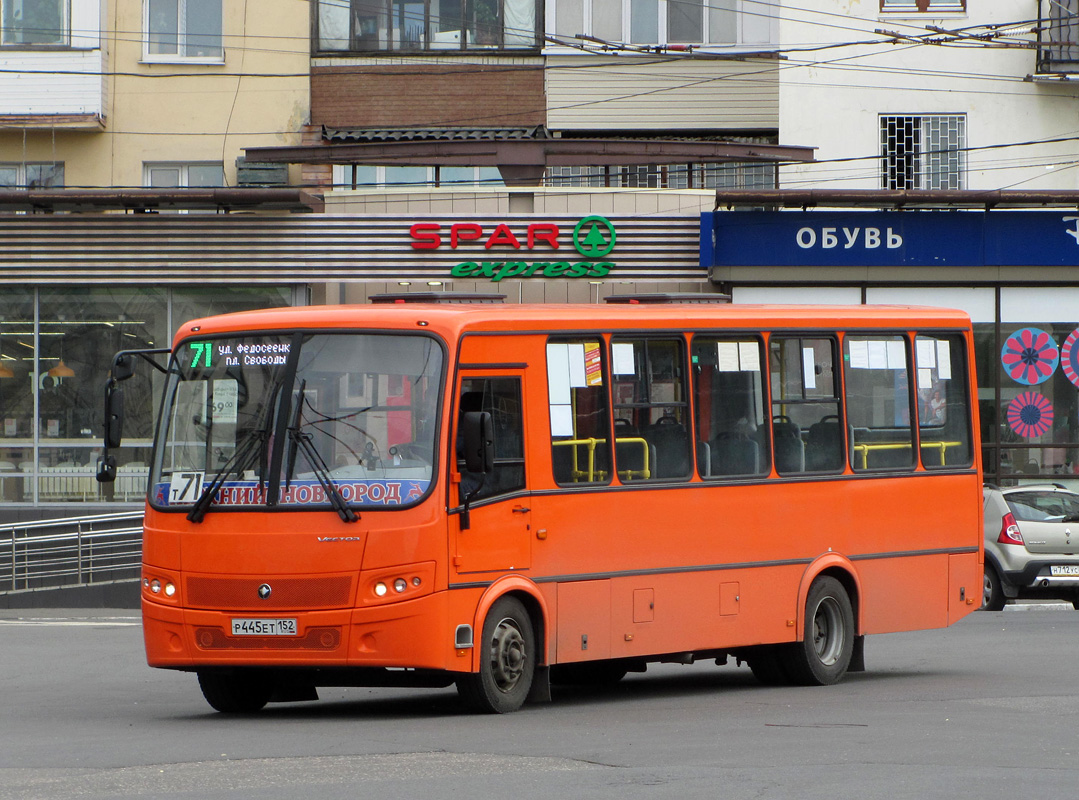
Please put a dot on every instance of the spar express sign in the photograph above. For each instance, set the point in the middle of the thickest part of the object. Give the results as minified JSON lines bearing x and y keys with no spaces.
{"x":533,"y":250}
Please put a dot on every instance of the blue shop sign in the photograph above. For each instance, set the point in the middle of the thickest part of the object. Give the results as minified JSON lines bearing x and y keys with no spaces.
{"x":890,"y":238}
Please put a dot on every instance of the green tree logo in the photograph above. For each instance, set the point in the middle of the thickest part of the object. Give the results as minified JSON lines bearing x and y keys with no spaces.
{"x":594,"y":237}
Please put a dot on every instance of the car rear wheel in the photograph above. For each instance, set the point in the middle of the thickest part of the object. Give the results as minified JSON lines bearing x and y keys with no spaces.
{"x":992,"y":592}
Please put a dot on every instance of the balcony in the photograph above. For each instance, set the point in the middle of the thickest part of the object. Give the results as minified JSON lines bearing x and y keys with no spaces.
{"x":1058,"y":37}
{"x":53,"y":76}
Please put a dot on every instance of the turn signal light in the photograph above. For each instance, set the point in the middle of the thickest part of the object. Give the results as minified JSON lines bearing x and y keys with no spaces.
{"x":1009,"y":531}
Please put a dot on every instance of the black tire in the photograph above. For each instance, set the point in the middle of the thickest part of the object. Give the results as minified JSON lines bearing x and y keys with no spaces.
{"x":236,"y":691}
{"x":823,"y":655}
{"x":591,"y":673}
{"x":507,"y":660}
{"x":767,"y":663}
{"x":992,"y":592}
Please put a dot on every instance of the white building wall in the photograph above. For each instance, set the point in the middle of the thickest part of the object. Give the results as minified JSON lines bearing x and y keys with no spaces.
{"x":832,"y":94}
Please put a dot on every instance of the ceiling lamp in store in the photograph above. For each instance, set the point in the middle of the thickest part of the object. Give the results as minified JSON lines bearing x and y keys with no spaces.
{"x":61,"y":370}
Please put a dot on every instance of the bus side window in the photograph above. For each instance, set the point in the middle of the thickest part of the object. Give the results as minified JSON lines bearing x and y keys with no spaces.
{"x":805,"y":405}
{"x":943,"y":418}
{"x":728,"y":386}
{"x":650,"y":398}
{"x":501,"y":398}
{"x":878,"y":402}
{"x":579,"y":411}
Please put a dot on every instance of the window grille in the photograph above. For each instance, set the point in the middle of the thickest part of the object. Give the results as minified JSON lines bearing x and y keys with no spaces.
{"x":923,"y":152}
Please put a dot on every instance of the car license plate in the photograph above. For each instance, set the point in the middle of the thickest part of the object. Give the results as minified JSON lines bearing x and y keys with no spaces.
{"x":1065,"y":569}
{"x":263,"y":627}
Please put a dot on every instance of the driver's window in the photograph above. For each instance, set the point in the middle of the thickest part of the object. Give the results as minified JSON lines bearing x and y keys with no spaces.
{"x":501,"y":398}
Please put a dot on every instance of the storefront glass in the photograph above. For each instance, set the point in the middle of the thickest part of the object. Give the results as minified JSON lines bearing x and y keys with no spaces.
{"x":56,"y":348}
{"x":1029,"y":400}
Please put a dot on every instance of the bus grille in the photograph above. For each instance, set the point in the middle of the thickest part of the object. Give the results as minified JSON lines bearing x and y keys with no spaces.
{"x":285,"y":593}
{"x":313,"y":639}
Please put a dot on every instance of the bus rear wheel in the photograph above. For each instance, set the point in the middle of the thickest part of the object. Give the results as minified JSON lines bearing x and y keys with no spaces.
{"x":823,"y":655}
{"x":236,"y":691}
{"x":507,"y":660}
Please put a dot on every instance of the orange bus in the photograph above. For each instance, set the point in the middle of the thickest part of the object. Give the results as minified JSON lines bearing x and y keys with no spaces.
{"x":507,"y":497}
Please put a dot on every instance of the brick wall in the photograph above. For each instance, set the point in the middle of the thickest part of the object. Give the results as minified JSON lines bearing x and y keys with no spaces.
{"x":447,"y":95}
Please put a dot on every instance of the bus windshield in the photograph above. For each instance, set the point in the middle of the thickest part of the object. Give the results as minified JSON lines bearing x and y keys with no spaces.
{"x":296,"y":420}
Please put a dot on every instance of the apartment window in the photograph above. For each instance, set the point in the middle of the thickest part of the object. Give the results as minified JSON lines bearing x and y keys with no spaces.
{"x":675,"y":176}
{"x":187,"y":29}
{"x":359,"y":176}
{"x":363,"y":25}
{"x":923,"y":152}
{"x":32,"y":176}
{"x":170,"y":176}
{"x":697,"y":22}
{"x":950,"y":6}
{"x":34,"y":22}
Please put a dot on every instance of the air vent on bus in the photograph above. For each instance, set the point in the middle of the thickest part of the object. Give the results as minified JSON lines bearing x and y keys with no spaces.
{"x":438,"y":297}
{"x":669,"y":297}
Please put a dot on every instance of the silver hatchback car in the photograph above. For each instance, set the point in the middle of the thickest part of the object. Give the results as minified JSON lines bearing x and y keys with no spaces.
{"x":1031,"y":544}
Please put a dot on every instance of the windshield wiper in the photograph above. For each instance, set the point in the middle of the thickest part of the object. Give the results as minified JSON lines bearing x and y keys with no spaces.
{"x":251,"y":446}
{"x":301,"y":440}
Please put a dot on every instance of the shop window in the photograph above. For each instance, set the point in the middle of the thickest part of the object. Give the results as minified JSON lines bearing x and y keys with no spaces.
{"x":923,"y":152}
{"x":728,"y":386}
{"x":438,"y":25}
{"x":725,"y":22}
{"x":877,"y":382}
{"x":806,"y":426}
{"x":580,"y":417}
{"x":35,"y":23}
{"x":183,"y":29}
{"x":1039,"y":401}
{"x":651,"y":409}
{"x":51,"y":373}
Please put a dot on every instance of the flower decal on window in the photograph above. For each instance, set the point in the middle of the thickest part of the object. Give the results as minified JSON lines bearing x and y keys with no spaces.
{"x":1030,"y":356}
{"x":1030,"y":415}
{"x":1069,"y":356}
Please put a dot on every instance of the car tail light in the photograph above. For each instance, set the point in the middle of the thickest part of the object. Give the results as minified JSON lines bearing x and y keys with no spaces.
{"x":1009,"y":531}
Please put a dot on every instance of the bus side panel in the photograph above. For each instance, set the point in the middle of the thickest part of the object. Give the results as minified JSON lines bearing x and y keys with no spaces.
{"x":964,"y":595}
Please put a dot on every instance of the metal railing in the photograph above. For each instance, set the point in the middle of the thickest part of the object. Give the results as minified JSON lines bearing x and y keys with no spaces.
{"x":76,"y":551}
{"x":1058,"y":36}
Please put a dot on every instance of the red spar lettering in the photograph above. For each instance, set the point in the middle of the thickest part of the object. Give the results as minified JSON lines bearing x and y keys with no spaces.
{"x":464,"y":232}
{"x":503,"y":235}
{"x":542,"y":232}
{"x":425,"y":235}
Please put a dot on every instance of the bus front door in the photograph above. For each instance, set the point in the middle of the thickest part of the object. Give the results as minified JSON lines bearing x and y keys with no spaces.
{"x":495,"y":535}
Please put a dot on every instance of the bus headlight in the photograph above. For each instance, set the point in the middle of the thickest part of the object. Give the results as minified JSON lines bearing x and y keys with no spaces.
{"x":380,"y":589}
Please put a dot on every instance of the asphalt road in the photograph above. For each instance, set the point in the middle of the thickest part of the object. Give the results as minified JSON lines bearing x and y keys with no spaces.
{"x":986,"y":709}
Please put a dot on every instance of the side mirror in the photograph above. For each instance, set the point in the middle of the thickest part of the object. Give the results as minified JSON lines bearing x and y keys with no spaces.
{"x":123,"y":367}
{"x":114,"y":415}
{"x":106,"y":469}
{"x":478,"y":439}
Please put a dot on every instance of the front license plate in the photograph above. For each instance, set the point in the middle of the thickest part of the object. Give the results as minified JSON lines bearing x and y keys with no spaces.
{"x":263,"y":627}
{"x":1065,"y":569}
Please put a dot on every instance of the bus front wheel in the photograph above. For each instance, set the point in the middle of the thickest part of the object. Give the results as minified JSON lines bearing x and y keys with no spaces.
{"x":823,"y":655}
{"x":236,"y":691}
{"x":507,"y":660}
